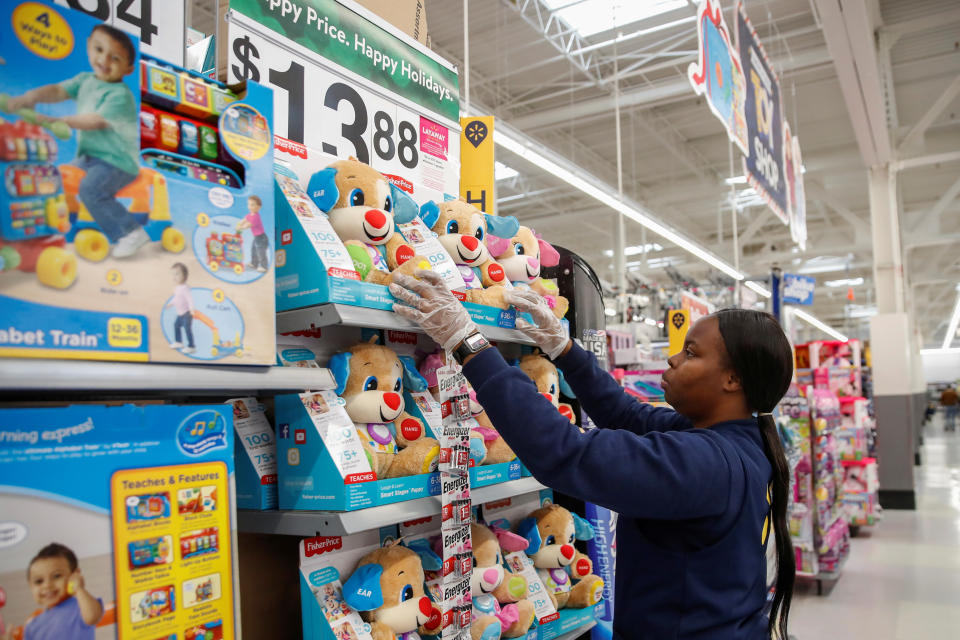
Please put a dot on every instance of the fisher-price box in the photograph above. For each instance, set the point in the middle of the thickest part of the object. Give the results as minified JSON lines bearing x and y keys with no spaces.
{"x":256,"y":455}
{"x":136,"y":209}
{"x":131,"y":506}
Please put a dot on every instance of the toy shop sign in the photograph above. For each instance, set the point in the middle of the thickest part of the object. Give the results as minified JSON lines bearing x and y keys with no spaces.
{"x":798,"y":289}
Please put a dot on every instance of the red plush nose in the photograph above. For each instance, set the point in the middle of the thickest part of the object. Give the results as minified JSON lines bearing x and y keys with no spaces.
{"x":392,"y":400}
{"x":425,"y":607}
{"x":375,"y":218}
{"x":567,"y":551}
{"x":469,"y":242}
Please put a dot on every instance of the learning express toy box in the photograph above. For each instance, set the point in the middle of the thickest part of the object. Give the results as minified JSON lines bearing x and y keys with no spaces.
{"x":322,"y":465}
{"x":125,"y":512}
{"x":136,"y":209}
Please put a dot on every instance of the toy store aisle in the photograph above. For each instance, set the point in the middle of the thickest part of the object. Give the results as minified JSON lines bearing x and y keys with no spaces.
{"x":902,"y":581}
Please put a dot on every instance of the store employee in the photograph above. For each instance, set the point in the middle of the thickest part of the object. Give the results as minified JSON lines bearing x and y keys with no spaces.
{"x":696,"y":488}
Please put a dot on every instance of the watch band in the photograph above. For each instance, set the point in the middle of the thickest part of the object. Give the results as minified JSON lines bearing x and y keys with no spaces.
{"x":465,"y":348}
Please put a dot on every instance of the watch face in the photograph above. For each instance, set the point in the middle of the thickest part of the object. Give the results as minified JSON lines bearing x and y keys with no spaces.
{"x":475,"y":341}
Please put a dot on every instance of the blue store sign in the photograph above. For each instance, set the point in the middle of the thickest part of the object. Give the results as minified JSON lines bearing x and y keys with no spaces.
{"x":798,"y":289}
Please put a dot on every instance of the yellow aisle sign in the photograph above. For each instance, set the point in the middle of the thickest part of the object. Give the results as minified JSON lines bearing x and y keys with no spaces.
{"x":678,"y":322}
{"x":476,"y":162}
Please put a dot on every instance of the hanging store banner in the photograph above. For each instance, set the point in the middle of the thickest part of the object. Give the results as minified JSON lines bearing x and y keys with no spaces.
{"x":347,"y":84}
{"x":718,"y":74}
{"x":763,"y":164}
{"x":695,"y":306}
{"x":157,"y":24}
{"x":477,"y":162}
{"x":798,"y":289}
{"x":798,"y":209}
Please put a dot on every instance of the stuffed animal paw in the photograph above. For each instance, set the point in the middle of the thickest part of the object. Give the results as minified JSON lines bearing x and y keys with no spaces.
{"x":522,"y":257}
{"x":550,"y":382}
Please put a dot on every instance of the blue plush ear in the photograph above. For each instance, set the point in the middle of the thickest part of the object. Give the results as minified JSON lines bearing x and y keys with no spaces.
{"x":528,"y":529}
{"x":430,"y":560}
{"x":429,"y":213}
{"x":582,"y":529}
{"x":404,"y":207}
{"x":340,"y":368}
{"x":412,"y":380}
{"x":322,"y":189}
{"x":564,"y":387}
{"x":362,"y":590}
{"x":502,"y":227}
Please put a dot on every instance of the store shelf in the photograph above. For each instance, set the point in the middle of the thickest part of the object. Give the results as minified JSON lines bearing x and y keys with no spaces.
{"x":337,"y":523}
{"x":325,"y":315}
{"x":576,"y":633}
{"x":25,"y":375}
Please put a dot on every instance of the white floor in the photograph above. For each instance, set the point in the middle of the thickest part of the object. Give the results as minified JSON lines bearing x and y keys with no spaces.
{"x":902,"y":581}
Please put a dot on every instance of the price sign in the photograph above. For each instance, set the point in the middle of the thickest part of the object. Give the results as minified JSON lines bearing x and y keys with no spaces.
{"x":353,"y":109}
{"x":157,"y":25}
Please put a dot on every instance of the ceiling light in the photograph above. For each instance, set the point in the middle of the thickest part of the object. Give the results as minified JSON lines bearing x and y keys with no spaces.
{"x":650,"y":321}
{"x":819,"y":324}
{"x":757,"y":287}
{"x":952,"y":327}
{"x":736,"y":180}
{"x":593,"y":16}
{"x":932,"y":352}
{"x":610,"y":312}
{"x":637,"y":249}
{"x":844,"y":282}
{"x":503,"y":172}
{"x":862,"y":312}
{"x":574,"y":177}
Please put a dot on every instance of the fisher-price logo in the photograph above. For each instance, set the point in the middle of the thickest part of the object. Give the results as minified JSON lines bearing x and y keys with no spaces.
{"x":322,"y":544}
{"x":402,"y":337}
{"x":202,"y":432}
{"x":399,"y":183}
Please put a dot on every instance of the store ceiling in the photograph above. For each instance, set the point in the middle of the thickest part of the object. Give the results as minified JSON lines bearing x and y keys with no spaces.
{"x":676,"y":155}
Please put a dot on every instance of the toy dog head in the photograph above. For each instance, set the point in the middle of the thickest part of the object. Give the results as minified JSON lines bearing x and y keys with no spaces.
{"x":523,"y":255}
{"x":388,"y":584}
{"x":361,"y":203}
{"x":465,"y":231}
{"x":488,"y":571}
{"x":551,"y":532}
{"x":549,"y":380}
{"x":371,"y":378}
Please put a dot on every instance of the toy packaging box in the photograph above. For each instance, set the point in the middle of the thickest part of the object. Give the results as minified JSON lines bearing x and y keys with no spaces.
{"x":136,"y":210}
{"x":127,"y":511}
{"x":256,"y":455}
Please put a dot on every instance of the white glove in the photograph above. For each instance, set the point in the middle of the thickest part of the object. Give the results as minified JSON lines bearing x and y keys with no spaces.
{"x":548,"y":333}
{"x":433,"y":307}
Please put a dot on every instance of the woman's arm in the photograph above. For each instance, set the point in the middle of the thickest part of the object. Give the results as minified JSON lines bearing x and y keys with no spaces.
{"x":605,"y":401}
{"x":675,"y":475}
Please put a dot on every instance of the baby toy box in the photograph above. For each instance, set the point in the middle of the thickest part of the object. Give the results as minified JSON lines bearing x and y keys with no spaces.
{"x":126,"y":512}
{"x":136,"y":210}
{"x":256,"y":455}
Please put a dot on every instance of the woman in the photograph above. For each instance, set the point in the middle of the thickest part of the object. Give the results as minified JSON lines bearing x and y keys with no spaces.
{"x":696,"y":488}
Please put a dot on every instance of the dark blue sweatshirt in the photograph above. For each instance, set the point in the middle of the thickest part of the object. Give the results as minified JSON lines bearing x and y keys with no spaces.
{"x":691,"y":559}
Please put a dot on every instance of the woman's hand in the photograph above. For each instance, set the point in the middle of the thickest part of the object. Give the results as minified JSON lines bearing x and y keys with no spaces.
{"x":548,"y":333}
{"x":433,"y":307}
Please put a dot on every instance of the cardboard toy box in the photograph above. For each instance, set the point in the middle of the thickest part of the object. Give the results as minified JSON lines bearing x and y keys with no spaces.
{"x":256,"y":455}
{"x":199,"y":184}
{"x":141,"y":497}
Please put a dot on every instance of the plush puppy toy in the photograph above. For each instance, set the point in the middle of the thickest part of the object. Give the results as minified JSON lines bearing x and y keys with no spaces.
{"x":491,"y":586}
{"x":387,"y":588}
{"x":522,"y":257}
{"x":364,"y":209}
{"x":549,"y":380}
{"x":463,"y":231}
{"x":551,"y":531}
{"x":370,"y":378}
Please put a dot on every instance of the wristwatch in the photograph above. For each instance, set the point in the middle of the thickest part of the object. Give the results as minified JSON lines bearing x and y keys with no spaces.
{"x":473,"y":343}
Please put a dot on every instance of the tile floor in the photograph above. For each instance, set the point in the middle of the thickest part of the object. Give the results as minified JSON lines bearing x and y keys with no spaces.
{"x":902,"y":581}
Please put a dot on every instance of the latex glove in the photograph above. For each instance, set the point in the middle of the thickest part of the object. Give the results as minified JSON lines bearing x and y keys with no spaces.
{"x":548,"y":333}
{"x":433,"y":307}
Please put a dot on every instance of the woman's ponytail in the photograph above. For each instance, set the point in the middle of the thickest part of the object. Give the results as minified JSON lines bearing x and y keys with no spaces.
{"x":786,"y":560}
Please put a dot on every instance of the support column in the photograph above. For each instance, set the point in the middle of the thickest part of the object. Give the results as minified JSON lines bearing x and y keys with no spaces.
{"x":892,"y":344}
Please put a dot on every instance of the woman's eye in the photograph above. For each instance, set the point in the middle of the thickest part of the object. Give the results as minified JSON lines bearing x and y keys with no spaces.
{"x":356,"y":198}
{"x":453,"y":227}
{"x":370,"y":384}
{"x":388,"y":204}
{"x":519,"y":249}
{"x":406,"y":593}
{"x":398,"y":385}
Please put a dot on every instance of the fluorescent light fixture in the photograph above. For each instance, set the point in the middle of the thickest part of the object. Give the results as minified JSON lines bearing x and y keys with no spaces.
{"x":939,"y":352}
{"x":819,"y":324}
{"x":603,"y":193}
{"x":862,"y":312}
{"x":844,"y":282}
{"x":593,"y":16}
{"x":636,"y":250}
{"x":757,"y":287}
{"x":826,"y":267}
{"x":650,"y":321}
{"x":503,"y":172}
{"x":610,"y":312}
{"x":736,"y":180}
{"x":952,"y":327}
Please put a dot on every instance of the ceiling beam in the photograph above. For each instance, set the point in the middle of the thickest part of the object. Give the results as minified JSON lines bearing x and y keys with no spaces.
{"x":932,"y":217}
{"x":924,"y":161}
{"x":932,"y":21}
{"x":942,"y":102}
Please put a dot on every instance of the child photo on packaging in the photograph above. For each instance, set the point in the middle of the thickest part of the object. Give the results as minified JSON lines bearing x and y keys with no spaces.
{"x":183,"y":305}
{"x":68,"y":611}
{"x":261,"y":243}
{"x":108,"y":132}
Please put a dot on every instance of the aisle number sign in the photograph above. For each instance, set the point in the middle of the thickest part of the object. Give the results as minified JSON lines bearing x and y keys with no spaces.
{"x":678,"y":323}
{"x":158,"y":25}
{"x":477,"y":162}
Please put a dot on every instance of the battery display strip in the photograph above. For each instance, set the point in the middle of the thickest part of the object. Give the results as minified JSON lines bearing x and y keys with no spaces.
{"x":455,"y":499}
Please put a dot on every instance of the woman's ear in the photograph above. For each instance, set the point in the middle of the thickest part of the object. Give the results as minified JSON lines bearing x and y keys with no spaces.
{"x":731,"y":381}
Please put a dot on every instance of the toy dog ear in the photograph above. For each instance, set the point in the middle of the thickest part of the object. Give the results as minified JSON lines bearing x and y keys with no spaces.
{"x":564,"y":387}
{"x":412,"y":380}
{"x":582,"y":529}
{"x":322,"y":189}
{"x":429,"y":213}
{"x":430,"y":560}
{"x":528,"y":529}
{"x":505,"y":227}
{"x":497,"y":245}
{"x":511,"y":542}
{"x":404,"y":207}
{"x":339,"y":366}
{"x":549,"y":257}
{"x":362,"y":590}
